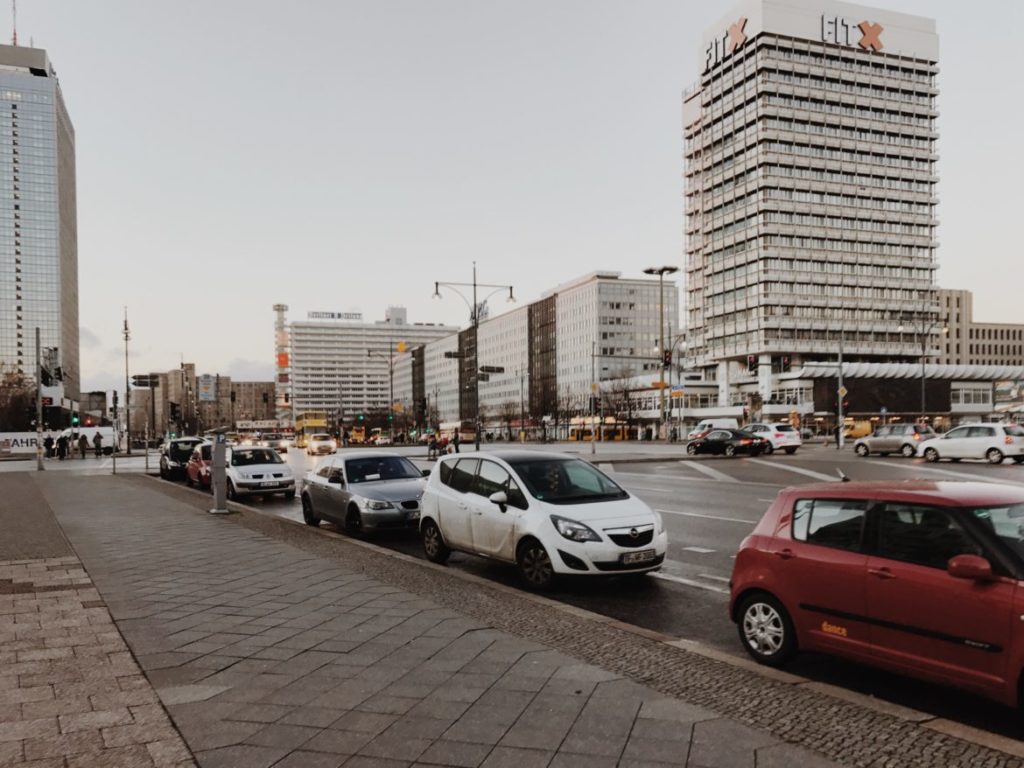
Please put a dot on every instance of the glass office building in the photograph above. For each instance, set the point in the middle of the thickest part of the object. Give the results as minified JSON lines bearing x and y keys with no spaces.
{"x":38,"y":228}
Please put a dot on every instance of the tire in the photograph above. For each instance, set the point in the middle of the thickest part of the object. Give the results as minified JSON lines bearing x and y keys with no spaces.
{"x":766,"y":630}
{"x":535,"y":568}
{"x":931,"y":455}
{"x":434,"y":548}
{"x":1018,"y":459}
{"x":769,"y":449}
{"x":861,"y":450}
{"x":730,"y":450}
{"x":691,"y":449}
{"x":994,"y":456}
{"x":308,"y":516}
{"x":908,"y":451}
{"x":789,"y":451}
{"x":232,"y":493}
{"x":163,"y":473}
{"x":353,"y":521}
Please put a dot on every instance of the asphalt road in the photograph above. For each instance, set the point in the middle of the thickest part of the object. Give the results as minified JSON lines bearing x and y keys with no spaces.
{"x":709,"y":505}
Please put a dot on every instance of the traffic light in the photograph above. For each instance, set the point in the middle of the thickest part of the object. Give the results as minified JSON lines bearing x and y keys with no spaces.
{"x":360,"y":417}
{"x":74,"y":420}
{"x":666,"y":358}
{"x":233,"y":396}
{"x":88,"y":421}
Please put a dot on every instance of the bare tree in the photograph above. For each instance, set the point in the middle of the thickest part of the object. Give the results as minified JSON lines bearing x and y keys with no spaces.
{"x":567,"y":404}
{"x":17,"y":401}
{"x":509,"y":412}
{"x":618,"y":396}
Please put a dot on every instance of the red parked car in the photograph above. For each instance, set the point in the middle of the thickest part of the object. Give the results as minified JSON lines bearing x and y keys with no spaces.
{"x":920,"y":578}
{"x":197,"y":471}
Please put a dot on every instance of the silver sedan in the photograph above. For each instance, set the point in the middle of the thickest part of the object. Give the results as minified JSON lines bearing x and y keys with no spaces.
{"x":364,"y":491}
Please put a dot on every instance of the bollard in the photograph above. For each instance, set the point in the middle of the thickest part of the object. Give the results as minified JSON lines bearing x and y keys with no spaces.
{"x":218,"y":475}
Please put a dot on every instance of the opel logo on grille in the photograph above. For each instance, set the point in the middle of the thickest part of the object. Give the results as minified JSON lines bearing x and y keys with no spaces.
{"x":633,"y":533}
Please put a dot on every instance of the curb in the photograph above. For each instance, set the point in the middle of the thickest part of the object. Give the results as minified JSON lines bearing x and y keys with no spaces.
{"x":953,"y":729}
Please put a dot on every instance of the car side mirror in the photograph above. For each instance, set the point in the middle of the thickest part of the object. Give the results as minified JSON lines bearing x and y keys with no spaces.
{"x":426,"y":472}
{"x":500,"y":498}
{"x":972,"y":567}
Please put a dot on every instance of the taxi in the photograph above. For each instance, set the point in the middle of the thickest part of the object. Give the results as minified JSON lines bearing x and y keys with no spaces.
{"x":919,"y":578}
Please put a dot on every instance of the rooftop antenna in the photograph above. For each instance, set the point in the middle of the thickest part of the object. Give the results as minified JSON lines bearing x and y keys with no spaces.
{"x":14,"y":22}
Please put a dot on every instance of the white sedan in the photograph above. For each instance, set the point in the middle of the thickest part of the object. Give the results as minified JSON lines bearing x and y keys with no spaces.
{"x":320,"y":443}
{"x":992,"y":442}
{"x":257,"y":471}
{"x":546,"y":512}
{"x":781,"y":436}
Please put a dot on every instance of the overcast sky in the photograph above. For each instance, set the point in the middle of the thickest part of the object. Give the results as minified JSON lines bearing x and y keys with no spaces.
{"x":233,"y":154}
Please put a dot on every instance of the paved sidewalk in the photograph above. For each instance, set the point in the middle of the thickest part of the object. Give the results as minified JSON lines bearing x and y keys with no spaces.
{"x":268,"y":655}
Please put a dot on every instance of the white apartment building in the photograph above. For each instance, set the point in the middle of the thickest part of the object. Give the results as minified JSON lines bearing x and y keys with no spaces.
{"x":810,"y":146}
{"x":504,"y":343}
{"x":339,"y":364}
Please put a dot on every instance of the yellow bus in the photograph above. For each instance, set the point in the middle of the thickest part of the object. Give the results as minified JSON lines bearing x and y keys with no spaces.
{"x":357,"y":434}
{"x":309,"y":423}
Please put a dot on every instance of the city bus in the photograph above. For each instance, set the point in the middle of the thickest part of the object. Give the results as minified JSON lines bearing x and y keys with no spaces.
{"x":309,"y":423}
{"x":357,"y":434}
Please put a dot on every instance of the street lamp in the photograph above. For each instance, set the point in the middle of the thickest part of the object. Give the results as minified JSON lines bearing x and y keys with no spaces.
{"x":474,"y":314}
{"x":922,"y":326}
{"x":127,"y":389}
{"x":392,"y":349}
{"x":661,"y":272}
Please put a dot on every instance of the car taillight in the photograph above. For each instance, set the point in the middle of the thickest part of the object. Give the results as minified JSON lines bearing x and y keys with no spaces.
{"x":917,"y":436}
{"x":1008,"y":440}
{"x":746,"y":442}
{"x":779,"y":435}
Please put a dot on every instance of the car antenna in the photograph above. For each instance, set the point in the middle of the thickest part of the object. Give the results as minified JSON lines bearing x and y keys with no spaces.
{"x":842,"y":475}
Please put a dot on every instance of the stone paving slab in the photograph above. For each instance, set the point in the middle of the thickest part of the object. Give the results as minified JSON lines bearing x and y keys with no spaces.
{"x":279,"y":646}
{"x":71,"y":694}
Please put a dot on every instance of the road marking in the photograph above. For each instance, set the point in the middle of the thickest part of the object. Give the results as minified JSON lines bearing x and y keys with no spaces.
{"x":706,"y":517}
{"x":797,"y":470}
{"x":967,"y":475}
{"x":691,"y":479}
{"x":764,"y":499}
{"x":689,"y":582}
{"x":723,"y":579}
{"x":709,"y":471}
{"x":698,"y":550}
{"x":645,"y":488}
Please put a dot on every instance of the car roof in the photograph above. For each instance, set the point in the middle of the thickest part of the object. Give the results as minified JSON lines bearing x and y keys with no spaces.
{"x":514,"y":454}
{"x":371,"y":455}
{"x":950,"y":493}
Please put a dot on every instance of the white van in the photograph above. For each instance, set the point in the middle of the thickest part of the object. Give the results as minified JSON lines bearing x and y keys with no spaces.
{"x":707,"y":424}
{"x":107,"y":433}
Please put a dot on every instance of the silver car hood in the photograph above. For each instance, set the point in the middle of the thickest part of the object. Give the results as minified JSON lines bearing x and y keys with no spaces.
{"x":389,"y":490}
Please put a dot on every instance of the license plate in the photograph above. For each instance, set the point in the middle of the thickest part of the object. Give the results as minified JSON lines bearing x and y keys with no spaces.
{"x":643,"y":556}
{"x":268,"y":485}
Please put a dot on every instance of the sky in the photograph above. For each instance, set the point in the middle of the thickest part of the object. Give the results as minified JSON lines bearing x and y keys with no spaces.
{"x":342,"y":156}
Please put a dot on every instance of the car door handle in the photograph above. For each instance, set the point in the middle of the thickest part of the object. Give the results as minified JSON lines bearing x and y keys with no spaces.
{"x":463,"y":506}
{"x":786,"y":554}
{"x":882,"y":573}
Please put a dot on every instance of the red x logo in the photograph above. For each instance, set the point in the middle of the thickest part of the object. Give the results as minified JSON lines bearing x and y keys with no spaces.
{"x":871,"y":36}
{"x":736,"y":36}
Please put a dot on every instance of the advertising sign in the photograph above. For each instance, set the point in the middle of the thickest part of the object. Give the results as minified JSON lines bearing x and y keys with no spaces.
{"x":207,"y":389}
{"x":12,"y":443}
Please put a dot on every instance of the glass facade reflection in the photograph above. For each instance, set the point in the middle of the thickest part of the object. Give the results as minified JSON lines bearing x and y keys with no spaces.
{"x":38,"y":230}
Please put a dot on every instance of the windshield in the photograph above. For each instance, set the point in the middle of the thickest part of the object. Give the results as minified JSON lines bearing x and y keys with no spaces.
{"x":1007,"y":523}
{"x":206,"y":451}
{"x":271,"y":436}
{"x":566,"y":481}
{"x":246,"y":458}
{"x":374,"y":468}
{"x":320,"y":436}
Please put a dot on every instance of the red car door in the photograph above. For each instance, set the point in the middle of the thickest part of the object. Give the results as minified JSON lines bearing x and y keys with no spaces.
{"x":820,"y":570}
{"x":948,"y":629}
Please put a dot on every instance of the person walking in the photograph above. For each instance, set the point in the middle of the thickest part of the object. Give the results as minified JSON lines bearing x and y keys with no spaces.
{"x":62,"y":447}
{"x":48,"y":446}
{"x":83,"y":445}
{"x":97,"y":444}
{"x":456,"y":439}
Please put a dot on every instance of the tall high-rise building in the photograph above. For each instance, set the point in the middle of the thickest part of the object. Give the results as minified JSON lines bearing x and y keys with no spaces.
{"x":38,"y":224}
{"x":810,"y":144}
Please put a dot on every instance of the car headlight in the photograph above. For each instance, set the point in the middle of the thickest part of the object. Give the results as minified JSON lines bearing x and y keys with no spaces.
{"x":375,"y":504}
{"x":573,"y":530}
{"x":659,"y":522}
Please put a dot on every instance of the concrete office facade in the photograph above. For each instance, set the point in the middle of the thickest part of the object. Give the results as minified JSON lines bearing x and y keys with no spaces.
{"x":968,"y":342}
{"x":810,"y":145}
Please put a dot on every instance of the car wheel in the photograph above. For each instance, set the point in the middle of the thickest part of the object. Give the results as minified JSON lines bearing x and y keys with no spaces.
{"x":232,"y":493}
{"x":308,"y":515}
{"x":163,"y":473}
{"x":861,"y":450}
{"x":691,"y":449}
{"x":789,"y":451}
{"x":930,"y":454}
{"x":766,"y":630}
{"x":433,"y":543}
{"x":769,"y":449}
{"x":908,"y":451}
{"x":1018,"y":459}
{"x":730,"y":450}
{"x":535,"y":565}
{"x":353,"y":521}
{"x":994,"y":456}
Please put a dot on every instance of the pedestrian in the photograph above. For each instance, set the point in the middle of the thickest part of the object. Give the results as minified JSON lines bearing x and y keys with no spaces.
{"x":83,"y":445}
{"x":97,"y":444}
{"x":62,"y":447}
{"x":837,"y":437}
{"x":432,"y":447}
{"x":344,"y":438}
{"x":48,"y":446}
{"x":456,"y":439}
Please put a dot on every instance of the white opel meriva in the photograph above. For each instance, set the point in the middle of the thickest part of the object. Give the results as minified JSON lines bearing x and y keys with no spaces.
{"x":546,"y":512}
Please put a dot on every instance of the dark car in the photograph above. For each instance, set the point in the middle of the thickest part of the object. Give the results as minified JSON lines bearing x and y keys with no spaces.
{"x":920,"y":578}
{"x":174,"y":456}
{"x":726,"y":442}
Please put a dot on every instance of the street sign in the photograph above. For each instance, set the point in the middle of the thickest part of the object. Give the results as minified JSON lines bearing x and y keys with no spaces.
{"x":491,"y":369}
{"x":678,"y":392}
{"x":453,"y":355}
{"x":659,"y":384}
{"x":144,"y":381}
{"x":843,"y":391}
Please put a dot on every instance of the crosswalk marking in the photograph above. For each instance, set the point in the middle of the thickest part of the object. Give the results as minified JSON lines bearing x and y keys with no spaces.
{"x":724,"y":579}
{"x":689,"y":582}
{"x":706,"y":517}
{"x":797,"y":470}
{"x":964,"y":475}
{"x":698,"y":550}
{"x":709,"y":471}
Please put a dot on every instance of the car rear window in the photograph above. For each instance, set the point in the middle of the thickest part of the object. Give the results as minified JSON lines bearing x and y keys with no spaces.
{"x":785,"y":428}
{"x":836,"y":523}
{"x":1014,"y":430}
